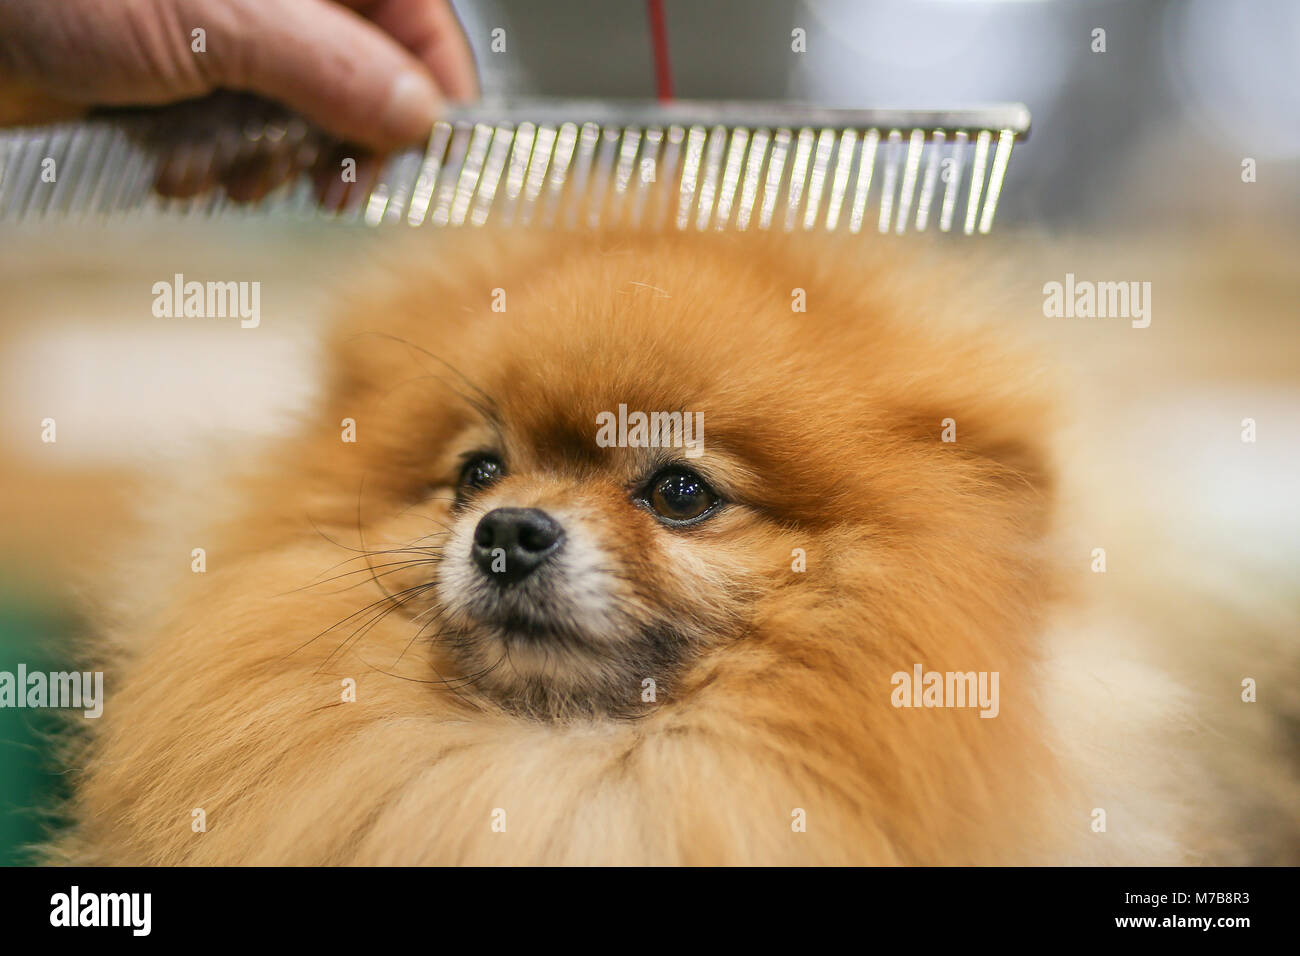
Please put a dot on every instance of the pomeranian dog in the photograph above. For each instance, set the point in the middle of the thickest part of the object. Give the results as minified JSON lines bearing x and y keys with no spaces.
{"x":654,"y":549}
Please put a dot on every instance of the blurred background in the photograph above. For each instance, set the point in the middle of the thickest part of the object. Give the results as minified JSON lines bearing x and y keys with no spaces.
{"x":1154,"y":128}
{"x":1133,"y":171}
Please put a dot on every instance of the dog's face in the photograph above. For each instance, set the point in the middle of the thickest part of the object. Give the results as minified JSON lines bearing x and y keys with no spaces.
{"x":638,"y":460}
{"x":576,"y":577}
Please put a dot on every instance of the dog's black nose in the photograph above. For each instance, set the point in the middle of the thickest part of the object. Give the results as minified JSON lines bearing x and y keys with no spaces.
{"x":510,"y":543}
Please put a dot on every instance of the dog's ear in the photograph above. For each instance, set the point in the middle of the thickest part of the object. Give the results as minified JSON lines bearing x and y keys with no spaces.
{"x":1009,"y":448}
{"x":991,"y":419}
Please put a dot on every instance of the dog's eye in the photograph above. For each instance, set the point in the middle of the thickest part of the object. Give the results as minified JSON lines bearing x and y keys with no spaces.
{"x":481,"y":471}
{"x":680,"y":496}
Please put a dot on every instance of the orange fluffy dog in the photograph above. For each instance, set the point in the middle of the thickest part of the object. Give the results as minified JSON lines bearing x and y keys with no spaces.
{"x":496,"y":604}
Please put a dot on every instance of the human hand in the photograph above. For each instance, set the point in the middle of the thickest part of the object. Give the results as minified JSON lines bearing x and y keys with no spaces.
{"x":371,"y":72}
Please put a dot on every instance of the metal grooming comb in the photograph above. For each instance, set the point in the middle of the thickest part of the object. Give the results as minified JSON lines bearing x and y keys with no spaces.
{"x":683,"y":165}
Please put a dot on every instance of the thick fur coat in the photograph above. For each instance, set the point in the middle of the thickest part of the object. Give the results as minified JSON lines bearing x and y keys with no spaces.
{"x":894,"y":492}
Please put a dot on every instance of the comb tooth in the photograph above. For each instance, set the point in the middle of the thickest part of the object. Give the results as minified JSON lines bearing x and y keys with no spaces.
{"x":406,"y":171}
{"x":401,"y":184}
{"x":927,"y":185}
{"x":35,"y":185}
{"x":535,"y":176}
{"x":456,"y":153}
{"x":753,"y":172}
{"x":953,"y":185}
{"x":798,"y":176}
{"x":690,"y":174}
{"x":646,"y":171}
{"x":213,"y":202}
{"x":376,"y":204}
{"x":887,"y":184}
{"x":245,"y":147}
{"x":230,"y":146}
{"x":223,"y":207}
{"x":84,"y":167}
{"x":712,"y":172}
{"x":565,"y":143}
{"x":208,"y":200}
{"x":330,"y":200}
{"x":502,"y":140}
{"x":24,"y":164}
{"x":470,"y":172}
{"x":866,"y":166}
{"x":628,"y":146}
{"x":914,"y":149}
{"x":276,"y":201}
{"x":8,"y":148}
{"x":1006,"y":139}
{"x":57,"y":151}
{"x":129,"y":188}
{"x":288,"y":197}
{"x":208,"y":160}
{"x":627,"y":150}
{"x":299,"y":202}
{"x":977,"y":179}
{"x":143,"y":186}
{"x":73,"y":161}
{"x":821,"y":162}
{"x":39,"y":190}
{"x":731,"y":176}
{"x":427,"y":180}
{"x":309,"y":156}
{"x":775,"y":171}
{"x":588,"y":140}
{"x":520,"y":151}
{"x":302,"y":203}
{"x":840,"y":181}
{"x":603,"y":169}
{"x":117,"y":150}
{"x":275,"y":132}
{"x":668,"y":172}
{"x":227,"y":208}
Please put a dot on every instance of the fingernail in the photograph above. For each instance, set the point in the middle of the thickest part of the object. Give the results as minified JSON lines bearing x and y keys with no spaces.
{"x":412,"y":107}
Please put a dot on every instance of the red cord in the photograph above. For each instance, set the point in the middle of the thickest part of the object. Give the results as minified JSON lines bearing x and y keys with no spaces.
{"x":659,"y":37}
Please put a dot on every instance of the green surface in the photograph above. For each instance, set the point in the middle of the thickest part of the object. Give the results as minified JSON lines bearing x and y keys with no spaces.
{"x":30,"y":633}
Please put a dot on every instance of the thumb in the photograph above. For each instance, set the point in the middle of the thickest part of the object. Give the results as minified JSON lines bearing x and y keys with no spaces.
{"x":325,"y":61}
